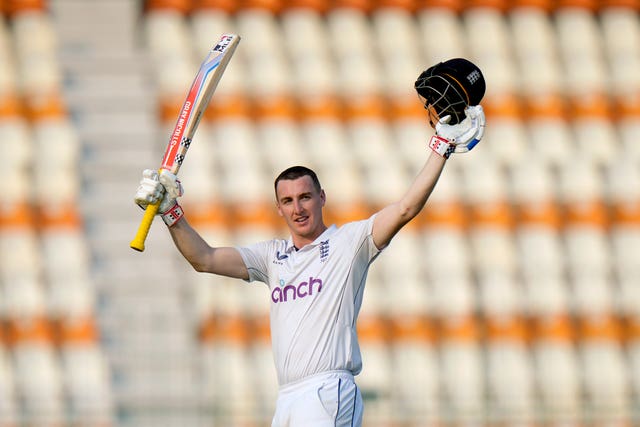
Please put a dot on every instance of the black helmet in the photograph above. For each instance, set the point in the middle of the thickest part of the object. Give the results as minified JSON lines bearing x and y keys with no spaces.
{"x":451,"y":86}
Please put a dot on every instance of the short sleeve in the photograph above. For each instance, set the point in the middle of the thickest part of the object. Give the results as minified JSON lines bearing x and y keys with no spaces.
{"x":255,"y":258}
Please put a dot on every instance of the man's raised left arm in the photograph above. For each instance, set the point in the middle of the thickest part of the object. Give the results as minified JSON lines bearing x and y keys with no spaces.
{"x":459,"y":138}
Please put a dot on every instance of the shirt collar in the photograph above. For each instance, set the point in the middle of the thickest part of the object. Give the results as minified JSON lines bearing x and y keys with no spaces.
{"x":324,"y":236}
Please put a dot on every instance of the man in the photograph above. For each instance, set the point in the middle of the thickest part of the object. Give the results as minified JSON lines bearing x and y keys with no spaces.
{"x":316,"y":278}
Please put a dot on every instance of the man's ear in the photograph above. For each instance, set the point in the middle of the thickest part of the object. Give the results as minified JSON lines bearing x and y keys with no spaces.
{"x":278,"y":209}
{"x":323,"y":197}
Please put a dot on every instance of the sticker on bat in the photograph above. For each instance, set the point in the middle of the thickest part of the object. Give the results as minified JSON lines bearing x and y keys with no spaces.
{"x":223,"y":43}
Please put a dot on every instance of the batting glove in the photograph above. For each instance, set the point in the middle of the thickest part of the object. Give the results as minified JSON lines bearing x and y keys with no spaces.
{"x":466,"y":134}
{"x":164,"y":187}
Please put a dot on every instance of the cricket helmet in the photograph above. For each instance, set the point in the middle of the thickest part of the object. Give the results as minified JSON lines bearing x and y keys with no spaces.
{"x":450,"y":87}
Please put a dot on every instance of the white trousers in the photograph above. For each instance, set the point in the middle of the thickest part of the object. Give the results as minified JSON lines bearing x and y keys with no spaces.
{"x":330,"y":399}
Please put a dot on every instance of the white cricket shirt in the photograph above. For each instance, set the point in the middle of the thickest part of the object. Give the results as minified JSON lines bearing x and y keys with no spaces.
{"x":315,"y":295}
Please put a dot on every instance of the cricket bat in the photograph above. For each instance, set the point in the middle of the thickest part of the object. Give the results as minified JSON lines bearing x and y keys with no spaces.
{"x":196,"y":102}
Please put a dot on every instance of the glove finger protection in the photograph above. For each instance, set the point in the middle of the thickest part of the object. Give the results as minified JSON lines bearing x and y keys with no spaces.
{"x":164,"y":187}
{"x":150,"y":190}
{"x":466,"y":134}
{"x":173,"y":190}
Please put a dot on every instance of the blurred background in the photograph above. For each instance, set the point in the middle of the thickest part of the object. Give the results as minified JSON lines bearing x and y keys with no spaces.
{"x":512,"y":300}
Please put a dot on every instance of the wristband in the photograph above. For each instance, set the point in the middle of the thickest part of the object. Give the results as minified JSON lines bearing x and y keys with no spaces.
{"x":172,"y":216}
{"x":441,"y":146}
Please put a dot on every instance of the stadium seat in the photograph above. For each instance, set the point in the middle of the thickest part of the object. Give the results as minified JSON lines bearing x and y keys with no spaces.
{"x":441,"y":18}
{"x":620,"y":34}
{"x":629,"y":131}
{"x":8,"y":67}
{"x":359,"y":74}
{"x":64,"y":247}
{"x":17,"y":142}
{"x":404,"y":266}
{"x":491,"y":51}
{"x":9,"y":409}
{"x":324,"y":137}
{"x":535,"y":58}
{"x":37,"y":371}
{"x":461,"y":370}
{"x":452,"y":297}
{"x":632,"y":352}
{"x":508,"y":127}
{"x":85,"y":371}
{"x":411,"y":132}
{"x":557,"y":373}
{"x":595,"y":135}
{"x":586,"y":218}
{"x":20,"y":272}
{"x":490,"y":227}
{"x":201,"y":174}
{"x":604,"y":368}
{"x":621,"y":183}
{"x":166,"y":33}
{"x":540,"y":251}
{"x":446,"y":249}
{"x":267,"y":69}
{"x":550,"y":131}
{"x":579,"y":46}
{"x":226,"y":370}
{"x":279,"y":139}
{"x":537,"y":231}
{"x":208,"y":20}
{"x":500,"y":294}
{"x":307,"y":47}
{"x":509,"y":373}
{"x":36,"y":47}
{"x":56,"y":160}
{"x":396,"y":40}
{"x":415,"y":385}
{"x":546,"y":296}
{"x":375,"y":381}
{"x":266,"y":381}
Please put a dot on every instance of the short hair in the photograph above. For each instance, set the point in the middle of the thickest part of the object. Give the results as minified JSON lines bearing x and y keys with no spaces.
{"x":295,"y":172}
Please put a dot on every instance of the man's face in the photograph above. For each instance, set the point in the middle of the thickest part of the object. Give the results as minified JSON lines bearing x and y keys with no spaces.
{"x":300,"y":204}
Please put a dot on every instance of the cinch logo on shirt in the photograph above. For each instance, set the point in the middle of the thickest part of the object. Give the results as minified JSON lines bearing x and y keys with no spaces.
{"x":292,"y":292}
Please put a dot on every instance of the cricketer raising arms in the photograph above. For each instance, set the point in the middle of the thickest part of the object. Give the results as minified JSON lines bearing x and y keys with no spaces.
{"x":317,"y":277}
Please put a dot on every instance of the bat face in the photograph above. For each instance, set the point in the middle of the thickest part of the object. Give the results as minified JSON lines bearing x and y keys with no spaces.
{"x":197,"y":100}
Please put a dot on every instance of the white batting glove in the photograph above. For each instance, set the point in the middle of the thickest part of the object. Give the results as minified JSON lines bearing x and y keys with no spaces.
{"x":466,"y":134}
{"x":153,"y":187}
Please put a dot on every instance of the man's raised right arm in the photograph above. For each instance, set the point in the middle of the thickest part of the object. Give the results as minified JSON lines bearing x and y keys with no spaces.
{"x":225,"y":261}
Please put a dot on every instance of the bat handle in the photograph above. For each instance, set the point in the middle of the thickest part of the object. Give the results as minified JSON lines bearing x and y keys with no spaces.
{"x":143,"y":230}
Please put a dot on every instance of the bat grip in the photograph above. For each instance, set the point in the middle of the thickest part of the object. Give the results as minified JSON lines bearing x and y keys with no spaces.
{"x":143,"y":230}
